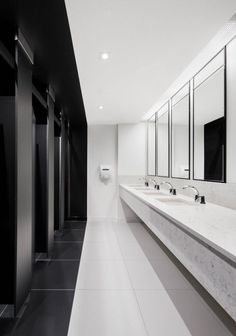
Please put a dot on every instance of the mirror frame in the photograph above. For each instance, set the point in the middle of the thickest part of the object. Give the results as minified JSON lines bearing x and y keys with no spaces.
{"x":156,"y":144}
{"x":189,"y":132}
{"x":225,"y":114}
{"x":155,"y":159}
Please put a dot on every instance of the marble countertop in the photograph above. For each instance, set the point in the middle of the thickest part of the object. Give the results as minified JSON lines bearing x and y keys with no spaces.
{"x":213,"y":224}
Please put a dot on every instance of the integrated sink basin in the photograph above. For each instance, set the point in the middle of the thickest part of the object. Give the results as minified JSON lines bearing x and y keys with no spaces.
{"x":143,"y":188}
{"x":154,"y":193}
{"x":175,"y":201}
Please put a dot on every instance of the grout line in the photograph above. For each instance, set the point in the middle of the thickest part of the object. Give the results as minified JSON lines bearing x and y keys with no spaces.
{"x":52,"y":289}
{"x":52,"y":259}
{"x":68,"y":241}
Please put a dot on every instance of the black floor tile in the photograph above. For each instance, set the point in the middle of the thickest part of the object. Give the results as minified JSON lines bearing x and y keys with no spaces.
{"x":55,"y":274}
{"x":47,"y":314}
{"x":70,"y":235}
{"x":75,"y":225}
{"x":65,"y":250}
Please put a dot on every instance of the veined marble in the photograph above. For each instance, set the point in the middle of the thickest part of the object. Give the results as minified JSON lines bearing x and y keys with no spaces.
{"x":201,"y":236}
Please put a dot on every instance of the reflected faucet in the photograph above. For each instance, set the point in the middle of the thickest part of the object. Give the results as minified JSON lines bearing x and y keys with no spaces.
{"x":156,"y":185}
{"x":146,"y":181}
{"x":171,"y":188}
{"x":197,"y":197}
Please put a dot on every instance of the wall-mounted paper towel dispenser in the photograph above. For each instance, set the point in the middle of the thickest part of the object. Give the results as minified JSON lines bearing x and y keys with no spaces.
{"x":105,"y":172}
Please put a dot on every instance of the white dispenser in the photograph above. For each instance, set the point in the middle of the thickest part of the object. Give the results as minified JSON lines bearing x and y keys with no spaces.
{"x":105,"y":172}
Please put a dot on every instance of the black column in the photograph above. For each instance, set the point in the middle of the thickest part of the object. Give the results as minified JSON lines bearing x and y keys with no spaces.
{"x":24,"y":177}
{"x":50,"y":179}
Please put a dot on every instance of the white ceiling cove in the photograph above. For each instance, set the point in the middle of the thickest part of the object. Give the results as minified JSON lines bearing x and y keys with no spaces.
{"x":150,"y":43}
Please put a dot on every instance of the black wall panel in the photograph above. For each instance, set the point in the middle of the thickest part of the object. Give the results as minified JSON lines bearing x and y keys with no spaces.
{"x":56,"y":182}
{"x":78,"y":174}
{"x":50,"y":170}
{"x":41,"y":210}
{"x":24,"y":175}
{"x":62,"y":174}
{"x":7,"y":198}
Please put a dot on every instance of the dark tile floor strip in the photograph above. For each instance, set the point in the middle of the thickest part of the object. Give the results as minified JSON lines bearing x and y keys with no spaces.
{"x":47,"y":312}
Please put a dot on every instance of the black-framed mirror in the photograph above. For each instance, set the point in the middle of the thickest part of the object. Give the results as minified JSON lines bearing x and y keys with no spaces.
{"x":209,"y":122}
{"x":162,"y":141}
{"x":180,"y":133}
{"x":151,"y":146}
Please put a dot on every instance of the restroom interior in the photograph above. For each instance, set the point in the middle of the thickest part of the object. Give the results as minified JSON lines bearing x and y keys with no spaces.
{"x":118,"y":169}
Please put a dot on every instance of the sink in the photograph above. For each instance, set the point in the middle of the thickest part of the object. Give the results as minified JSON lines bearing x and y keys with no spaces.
{"x":175,"y":201}
{"x":154,"y":193}
{"x":143,"y":188}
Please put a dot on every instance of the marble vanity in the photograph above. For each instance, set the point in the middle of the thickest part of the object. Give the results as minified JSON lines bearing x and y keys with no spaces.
{"x":201,"y":236}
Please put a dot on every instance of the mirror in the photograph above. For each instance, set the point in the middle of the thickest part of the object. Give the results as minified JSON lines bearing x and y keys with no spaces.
{"x":151,"y":146}
{"x":162,"y":132}
{"x":209,"y":122}
{"x":180,"y":133}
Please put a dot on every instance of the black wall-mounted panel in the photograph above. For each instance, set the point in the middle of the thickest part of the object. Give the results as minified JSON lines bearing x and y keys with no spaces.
{"x":214,"y":150}
{"x":24,"y":175}
{"x":78,"y":174}
{"x":56,"y":182}
{"x":50,"y":171}
{"x":62,"y":174}
{"x":41,"y":216}
{"x":7,"y":199}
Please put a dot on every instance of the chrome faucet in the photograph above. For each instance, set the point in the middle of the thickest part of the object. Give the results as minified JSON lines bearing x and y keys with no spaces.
{"x":146,"y":181}
{"x":171,"y":188}
{"x":197,"y":197}
{"x":156,"y":185}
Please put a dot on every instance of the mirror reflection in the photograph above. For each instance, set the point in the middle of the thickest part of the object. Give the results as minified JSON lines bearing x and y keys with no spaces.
{"x":151,"y":156}
{"x":180,"y":133}
{"x":162,"y":131}
{"x":209,"y":124}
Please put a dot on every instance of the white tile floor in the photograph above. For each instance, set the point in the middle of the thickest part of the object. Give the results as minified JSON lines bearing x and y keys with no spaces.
{"x":127,"y":286}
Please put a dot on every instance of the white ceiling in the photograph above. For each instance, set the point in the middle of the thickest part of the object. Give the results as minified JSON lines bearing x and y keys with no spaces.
{"x":151,"y":42}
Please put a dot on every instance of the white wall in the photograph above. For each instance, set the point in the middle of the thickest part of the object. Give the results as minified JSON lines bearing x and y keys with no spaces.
{"x":151,"y":141}
{"x":180,"y":150}
{"x":102,"y":149}
{"x":132,"y":149}
{"x":199,"y":152}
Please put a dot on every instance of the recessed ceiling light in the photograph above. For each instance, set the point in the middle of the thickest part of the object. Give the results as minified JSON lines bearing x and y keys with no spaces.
{"x":100,"y":107}
{"x":105,"y":56}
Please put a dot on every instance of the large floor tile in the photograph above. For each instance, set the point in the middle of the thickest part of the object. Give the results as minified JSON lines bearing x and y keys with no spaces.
{"x":70,"y":235}
{"x":179,"y":313}
{"x":100,"y":234}
{"x":108,"y":250}
{"x":105,"y":274}
{"x":81,"y":225}
{"x":106,"y":313}
{"x":169,"y":275}
{"x":65,"y":250}
{"x":142,"y":275}
{"x":132,"y":252}
{"x":47,"y":314}
{"x":55,"y":275}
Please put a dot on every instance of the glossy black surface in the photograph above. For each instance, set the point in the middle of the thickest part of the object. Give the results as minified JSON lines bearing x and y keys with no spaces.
{"x":74,"y":225}
{"x":47,"y":31}
{"x":65,"y":250}
{"x":47,"y":314}
{"x":24,"y":178}
{"x":47,"y":310}
{"x":55,"y":274}
{"x":70,"y":235}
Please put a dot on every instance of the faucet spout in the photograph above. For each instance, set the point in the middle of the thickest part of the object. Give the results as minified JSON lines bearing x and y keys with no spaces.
{"x":197,"y":195}
{"x":171,"y":188}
